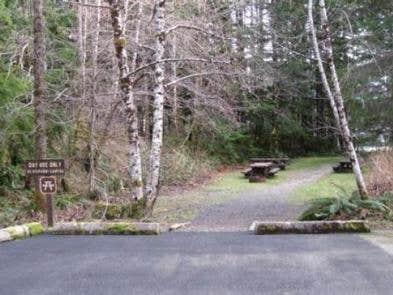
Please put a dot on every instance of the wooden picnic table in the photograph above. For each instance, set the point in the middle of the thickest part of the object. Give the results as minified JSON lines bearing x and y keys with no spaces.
{"x":343,"y":167}
{"x":267,"y":159}
{"x":280,"y":162}
{"x":259,"y":171}
{"x":261,"y":166}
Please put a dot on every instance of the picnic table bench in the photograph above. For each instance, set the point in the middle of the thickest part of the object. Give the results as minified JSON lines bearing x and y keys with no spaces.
{"x":263,"y":167}
{"x":258,"y":172}
{"x":343,"y":167}
{"x":279,"y":162}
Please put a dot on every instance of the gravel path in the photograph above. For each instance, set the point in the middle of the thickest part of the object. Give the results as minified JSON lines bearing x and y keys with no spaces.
{"x":271,"y":203}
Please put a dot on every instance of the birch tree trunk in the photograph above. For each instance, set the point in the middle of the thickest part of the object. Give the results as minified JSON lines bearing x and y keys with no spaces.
{"x":93,"y":110}
{"x":345,"y":131}
{"x":117,"y":12}
{"x":175,"y":98}
{"x":158,"y":104}
{"x":322,"y":72}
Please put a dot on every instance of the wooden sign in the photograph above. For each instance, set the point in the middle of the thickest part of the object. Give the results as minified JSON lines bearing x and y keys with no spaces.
{"x":46,"y":171}
{"x":46,"y":167}
{"x":47,"y":185}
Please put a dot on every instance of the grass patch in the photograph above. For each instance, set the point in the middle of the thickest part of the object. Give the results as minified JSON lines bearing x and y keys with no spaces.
{"x":185,"y":207}
{"x":312,"y":162}
{"x":332,"y":185}
{"x":182,"y":208}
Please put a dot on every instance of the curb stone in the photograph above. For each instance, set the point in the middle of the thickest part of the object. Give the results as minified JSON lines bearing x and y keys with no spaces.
{"x":105,"y":228}
{"x":309,"y":227}
{"x":80,"y":228}
{"x":4,"y":236}
{"x":177,"y":226}
{"x":21,"y":231}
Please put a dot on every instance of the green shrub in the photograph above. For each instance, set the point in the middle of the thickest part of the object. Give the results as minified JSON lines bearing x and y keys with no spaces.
{"x":343,"y":207}
{"x":15,"y":206}
{"x":113,"y":183}
{"x":64,"y":201}
{"x":180,"y":165}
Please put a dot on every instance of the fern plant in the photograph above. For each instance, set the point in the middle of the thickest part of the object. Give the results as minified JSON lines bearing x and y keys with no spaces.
{"x":329,"y":208}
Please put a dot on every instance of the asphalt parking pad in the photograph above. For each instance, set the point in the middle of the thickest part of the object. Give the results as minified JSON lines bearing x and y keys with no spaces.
{"x":195,"y":263}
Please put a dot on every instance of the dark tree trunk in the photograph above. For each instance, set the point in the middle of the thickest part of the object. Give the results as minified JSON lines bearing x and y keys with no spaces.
{"x":40,"y":136}
{"x":38,"y":71}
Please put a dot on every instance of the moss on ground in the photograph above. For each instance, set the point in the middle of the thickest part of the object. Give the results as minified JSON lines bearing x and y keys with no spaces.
{"x":119,"y":211}
{"x":120,"y":228}
{"x":35,"y":228}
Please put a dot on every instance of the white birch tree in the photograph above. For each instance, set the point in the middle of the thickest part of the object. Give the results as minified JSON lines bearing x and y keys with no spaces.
{"x":335,"y":97}
{"x":346,"y":132}
{"x":321,"y":68}
{"x":158,"y":103}
{"x":117,"y":12}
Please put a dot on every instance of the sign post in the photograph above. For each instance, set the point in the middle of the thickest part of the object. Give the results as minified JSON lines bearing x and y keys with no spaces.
{"x":46,"y":171}
{"x":47,"y":186}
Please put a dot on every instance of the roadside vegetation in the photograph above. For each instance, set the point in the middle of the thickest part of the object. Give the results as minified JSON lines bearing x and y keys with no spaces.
{"x":140,"y":110}
{"x":335,"y":196}
{"x":334,"y":184}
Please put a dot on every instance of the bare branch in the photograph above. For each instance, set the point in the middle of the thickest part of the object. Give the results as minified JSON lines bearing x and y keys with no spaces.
{"x":189,"y":27}
{"x":89,"y":5}
{"x":198,"y":75}
{"x":177,"y":60}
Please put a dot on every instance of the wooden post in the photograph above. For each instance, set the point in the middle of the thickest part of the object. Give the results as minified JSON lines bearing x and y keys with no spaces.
{"x":50,"y":209}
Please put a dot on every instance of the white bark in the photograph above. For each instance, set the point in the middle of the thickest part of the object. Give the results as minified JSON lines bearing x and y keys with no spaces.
{"x":346,"y":132}
{"x":322,"y":72}
{"x":158,"y":104}
{"x":135,"y":156}
{"x":175,"y":98}
{"x":126,"y":92}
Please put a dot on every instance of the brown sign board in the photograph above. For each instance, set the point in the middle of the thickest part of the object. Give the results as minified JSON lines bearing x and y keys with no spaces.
{"x":45,"y":167}
{"x":47,"y":185}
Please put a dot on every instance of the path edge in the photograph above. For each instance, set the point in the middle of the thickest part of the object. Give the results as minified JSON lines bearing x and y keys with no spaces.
{"x":21,"y":231}
{"x":105,"y":228}
{"x":79,"y":228}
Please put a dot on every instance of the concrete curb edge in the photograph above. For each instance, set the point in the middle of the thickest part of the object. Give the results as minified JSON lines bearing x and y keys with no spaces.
{"x":105,"y":228}
{"x":21,"y":231}
{"x":309,"y":227}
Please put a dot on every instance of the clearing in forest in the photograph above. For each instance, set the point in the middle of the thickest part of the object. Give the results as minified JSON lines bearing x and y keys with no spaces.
{"x":231,"y":203}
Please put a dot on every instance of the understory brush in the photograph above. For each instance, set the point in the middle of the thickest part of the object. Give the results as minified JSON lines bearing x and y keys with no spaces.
{"x":380,"y":175}
{"x":344,"y":208}
{"x":180,"y":165}
{"x":379,"y":206}
{"x":16,"y":206}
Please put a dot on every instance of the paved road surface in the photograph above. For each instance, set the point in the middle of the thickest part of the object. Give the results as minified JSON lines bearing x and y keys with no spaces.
{"x":195,"y":263}
{"x":273,"y":203}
